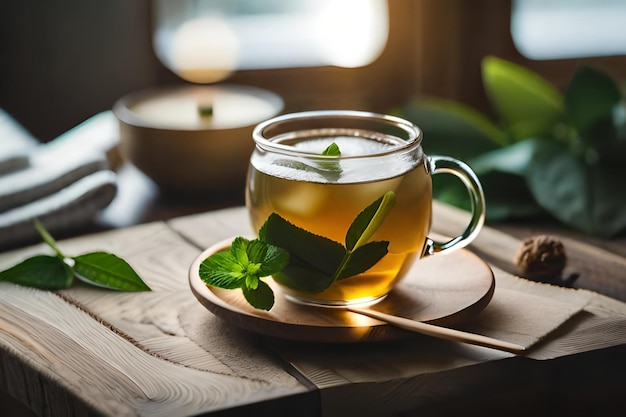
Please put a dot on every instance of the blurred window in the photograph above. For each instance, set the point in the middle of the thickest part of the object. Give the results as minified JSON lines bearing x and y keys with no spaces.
{"x":209,"y":38}
{"x":554,"y":29}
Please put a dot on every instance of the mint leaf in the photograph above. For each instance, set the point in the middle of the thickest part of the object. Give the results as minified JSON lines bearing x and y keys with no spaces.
{"x":331,"y":170}
{"x":257,"y":258}
{"x":363,"y":258}
{"x":222,"y":270}
{"x":302,"y":277}
{"x":369,"y":220}
{"x":360,"y":232}
{"x":239,"y":249}
{"x":255,"y":250}
{"x":332,"y":150}
{"x":261,"y":297}
{"x":296,"y":257}
{"x":306,"y":249}
{"x":243,"y":266}
{"x":315,"y":262}
{"x":328,"y":169}
{"x":251,"y":282}
{"x":274,"y":260}
{"x":41,"y":271}
{"x":109,"y":271}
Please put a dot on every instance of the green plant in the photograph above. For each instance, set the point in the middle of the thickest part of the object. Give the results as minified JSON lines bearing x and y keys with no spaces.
{"x":547,"y":152}
{"x":57,"y":272}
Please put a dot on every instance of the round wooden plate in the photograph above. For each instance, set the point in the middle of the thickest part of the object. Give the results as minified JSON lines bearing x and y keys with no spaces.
{"x":440,"y":289}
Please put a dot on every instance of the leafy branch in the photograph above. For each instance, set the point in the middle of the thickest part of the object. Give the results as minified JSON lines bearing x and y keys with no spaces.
{"x":546,"y":152}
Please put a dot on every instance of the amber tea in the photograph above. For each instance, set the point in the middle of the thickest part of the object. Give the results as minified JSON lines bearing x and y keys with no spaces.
{"x":323,"y":195}
{"x":327,"y":207}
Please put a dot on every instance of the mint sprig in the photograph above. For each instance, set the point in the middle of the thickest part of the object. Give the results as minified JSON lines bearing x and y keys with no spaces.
{"x":243,"y":266}
{"x":296,"y":257}
{"x":57,"y":272}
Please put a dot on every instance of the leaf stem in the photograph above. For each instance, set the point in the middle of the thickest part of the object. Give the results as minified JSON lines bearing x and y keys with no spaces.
{"x":48,"y":238}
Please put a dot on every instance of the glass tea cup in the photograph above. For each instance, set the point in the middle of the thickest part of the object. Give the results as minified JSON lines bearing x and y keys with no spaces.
{"x":292,"y":175}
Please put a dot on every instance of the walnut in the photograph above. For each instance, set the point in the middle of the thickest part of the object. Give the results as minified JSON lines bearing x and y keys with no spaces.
{"x":541,"y":258}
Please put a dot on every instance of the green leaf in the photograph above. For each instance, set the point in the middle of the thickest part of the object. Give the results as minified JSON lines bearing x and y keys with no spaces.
{"x":261,"y":297}
{"x":255,"y":250}
{"x":619,"y":120}
{"x":331,"y":170}
{"x":528,"y":104}
{"x":242,"y":266}
{"x":363,"y":258}
{"x":332,"y":150}
{"x":581,"y":196}
{"x":590,"y":99}
{"x":296,"y":257}
{"x":40,"y":271}
{"x":301,"y":277}
{"x":508,"y":197}
{"x":222,"y":270}
{"x":275,"y":260}
{"x":502,"y":175}
{"x":608,"y":204}
{"x":315,"y":262}
{"x":513,"y":159}
{"x":452,"y":128}
{"x":312,"y":258}
{"x":107,"y":270}
{"x":613,"y":152}
{"x":98,"y":268}
{"x":252,"y":282}
{"x":239,"y":250}
{"x":369,"y":220}
{"x":305,"y":249}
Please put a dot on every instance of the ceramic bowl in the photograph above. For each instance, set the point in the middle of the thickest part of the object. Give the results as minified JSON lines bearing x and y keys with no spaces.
{"x":193,"y":138}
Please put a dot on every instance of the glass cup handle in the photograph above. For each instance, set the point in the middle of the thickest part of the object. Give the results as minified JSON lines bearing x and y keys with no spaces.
{"x":447,"y":165}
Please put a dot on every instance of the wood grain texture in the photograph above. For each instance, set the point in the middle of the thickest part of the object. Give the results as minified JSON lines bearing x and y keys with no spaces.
{"x":135,"y":353}
{"x":89,"y":351}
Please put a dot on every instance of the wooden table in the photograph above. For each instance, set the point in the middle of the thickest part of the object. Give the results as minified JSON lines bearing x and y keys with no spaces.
{"x":86,"y":351}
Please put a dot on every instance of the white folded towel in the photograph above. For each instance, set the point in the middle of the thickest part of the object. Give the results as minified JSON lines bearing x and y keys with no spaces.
{"x":64,"y":183}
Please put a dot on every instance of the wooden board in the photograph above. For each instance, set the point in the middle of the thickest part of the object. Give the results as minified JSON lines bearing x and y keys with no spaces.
{"x":440,"y":289}
{"x":89,"y":351}
{"x":157,"y":353}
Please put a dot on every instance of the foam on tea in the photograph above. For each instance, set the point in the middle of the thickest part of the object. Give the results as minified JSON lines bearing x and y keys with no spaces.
{"x":344,"y":169}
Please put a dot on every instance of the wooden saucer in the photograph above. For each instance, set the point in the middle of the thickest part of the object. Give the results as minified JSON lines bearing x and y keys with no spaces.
{"x":440,"y":289}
